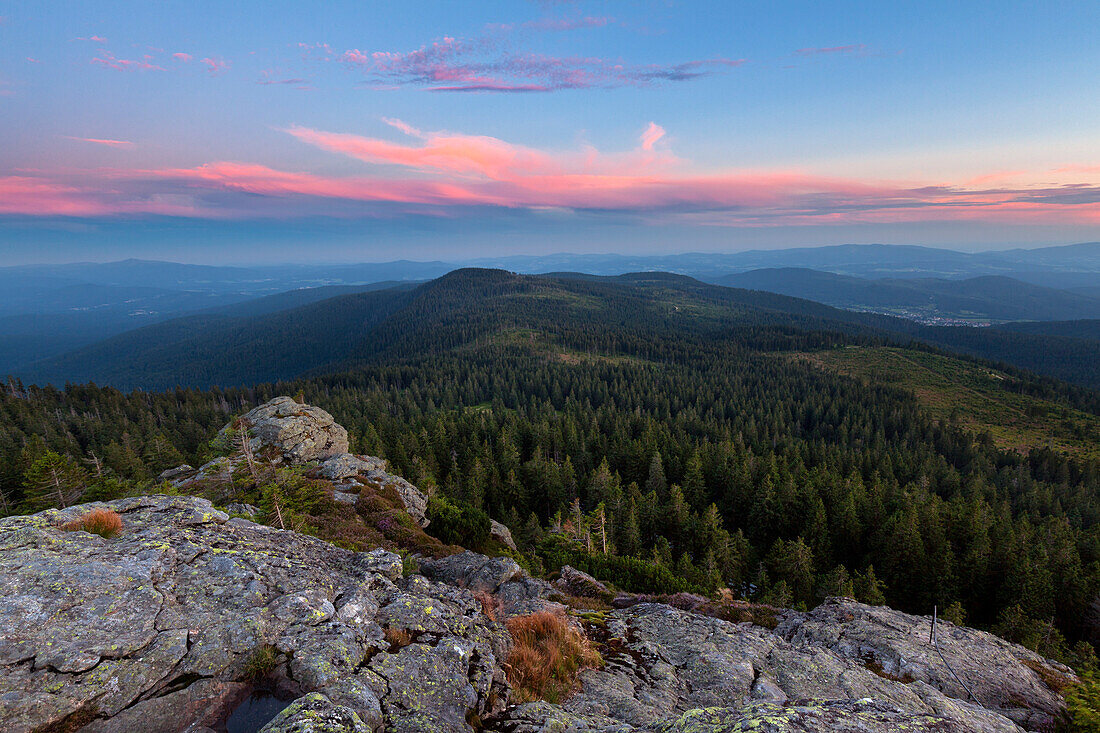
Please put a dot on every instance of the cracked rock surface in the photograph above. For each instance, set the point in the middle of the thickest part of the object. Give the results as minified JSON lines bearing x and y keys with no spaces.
{"x":161,"y":622}
{"x":672,"y":670}
{"x":297,"y":432}
{"x":160,"y":627}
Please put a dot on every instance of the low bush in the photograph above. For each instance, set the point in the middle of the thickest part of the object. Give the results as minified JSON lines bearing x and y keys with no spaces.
{"x":547,"y":654}
{"x":458,"y":523}
{"x":1083,"y":704}
{"x":628,"y":573}
{"x":103,"y":522}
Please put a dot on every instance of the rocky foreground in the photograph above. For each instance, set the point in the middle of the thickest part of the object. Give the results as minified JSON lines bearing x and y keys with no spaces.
{"x":162,"y":628}
{"x":185,"y":617}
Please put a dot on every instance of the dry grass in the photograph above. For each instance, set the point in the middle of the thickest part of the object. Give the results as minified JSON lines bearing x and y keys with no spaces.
{"x":1052,"y":678}
{"x":547,"y":654}
{"x":490,"y":604}
{"x":103,"y":522}
{"x":396,"y":638}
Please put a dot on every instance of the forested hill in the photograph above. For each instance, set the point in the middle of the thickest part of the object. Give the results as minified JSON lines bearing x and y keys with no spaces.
{"x":228,"y":350}
{"x":988,"y":297}
{"x":467,"y":305}
{"x":688,"y":422}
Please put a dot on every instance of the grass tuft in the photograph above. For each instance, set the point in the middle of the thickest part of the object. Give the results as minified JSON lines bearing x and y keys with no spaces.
{"x":261,"y":663}
{"x":490,"y":604}
{"x":547,"y":654}
{"x":103,"y":522}
{"x":396,"y":638}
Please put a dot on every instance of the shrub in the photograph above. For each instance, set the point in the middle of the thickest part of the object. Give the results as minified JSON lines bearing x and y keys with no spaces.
{"x":1083,"y":704}
{"x":547,"y":654}
{"x":628,"y":573}
{"x":103,"y":522}
{"x":458,"y":523}
{"x":110,"y":488}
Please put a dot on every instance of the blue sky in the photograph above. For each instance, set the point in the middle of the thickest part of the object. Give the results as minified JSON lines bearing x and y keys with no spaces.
{"x":249,"y":131}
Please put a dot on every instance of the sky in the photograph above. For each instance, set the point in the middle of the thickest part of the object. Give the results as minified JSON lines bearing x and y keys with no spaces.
{"x":366,"y":131}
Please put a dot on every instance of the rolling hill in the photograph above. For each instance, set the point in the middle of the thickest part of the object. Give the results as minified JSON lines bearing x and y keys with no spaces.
{"x":471,"y":307}
{"x":986,"y":298}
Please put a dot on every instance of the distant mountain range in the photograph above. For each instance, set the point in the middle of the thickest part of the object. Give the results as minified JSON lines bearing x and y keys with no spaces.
{"x":930,"y":300}
{"x":266,"y":343}
{"x":1078,"y":264}
{"x":47,"y":311}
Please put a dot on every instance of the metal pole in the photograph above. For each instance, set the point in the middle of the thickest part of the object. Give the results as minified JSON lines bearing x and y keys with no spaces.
{"x":936,"y":643}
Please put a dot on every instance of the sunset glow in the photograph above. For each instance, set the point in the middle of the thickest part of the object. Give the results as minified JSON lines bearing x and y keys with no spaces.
{"x":633,"y":115}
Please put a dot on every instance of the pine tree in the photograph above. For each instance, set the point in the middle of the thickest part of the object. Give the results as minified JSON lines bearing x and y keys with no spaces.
{"x":656,"y":481}
{"x":628,"y":538}
{"x":52,"y":480}
{"x":868,"y":588}
{"x":837,"y":582}
{"x":695,"y":485}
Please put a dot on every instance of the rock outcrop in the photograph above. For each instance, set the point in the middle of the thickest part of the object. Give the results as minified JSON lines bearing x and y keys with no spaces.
{"x":174,"y":619}
{"x":579,"y":583}
{"x":677,"y":667}
{"x":296,"y":432}
{"x":349,"y":473}
{"x":501,"y":534}
{"x":897,"y":644}
{"x":167,"y":620}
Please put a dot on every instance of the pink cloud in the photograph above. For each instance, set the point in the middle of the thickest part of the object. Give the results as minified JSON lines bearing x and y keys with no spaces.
{"x":215,"y":66}
{"x":31,"y":196}
{"x":652,"y":134}
{"x":93,"y":39}
{"x":403,"y":127}
{"x":446,"y":173}
{"x":103,"y":141}
{"x":184,"y":57}
{"x":106,"y":58}
{"x":441,"y":152}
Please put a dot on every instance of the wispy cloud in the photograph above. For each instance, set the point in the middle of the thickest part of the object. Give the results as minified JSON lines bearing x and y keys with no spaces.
{"x":92,"y":39}
{"x":493,"y":62}
{"x":456,"y":65}
{"x":652,"y":134}
{"x":855,"y":49}
{"x":109,"y":60}
{"x":291,"y":81}
{"x":569,"y":24}
{"x":457,"y":174}
{"x":184,"y":57}
{"x":103,"y":141}
{"x":215,"y":65}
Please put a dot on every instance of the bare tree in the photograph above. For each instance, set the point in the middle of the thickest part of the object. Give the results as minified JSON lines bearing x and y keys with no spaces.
{"x":243,"y":442}
{"x":96,"y":463}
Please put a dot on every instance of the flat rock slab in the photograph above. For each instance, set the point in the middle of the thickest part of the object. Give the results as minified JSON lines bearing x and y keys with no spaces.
{"x":162,"y":622}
